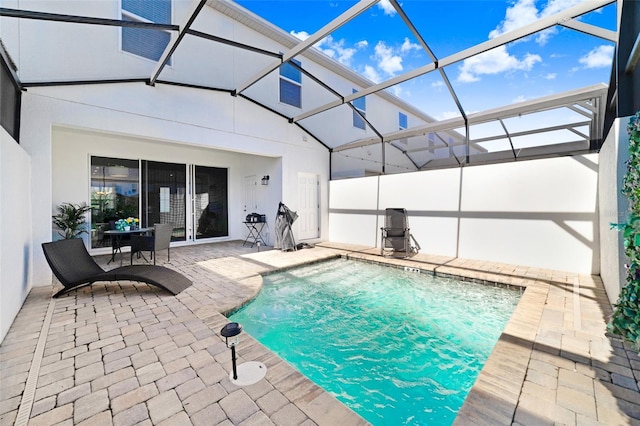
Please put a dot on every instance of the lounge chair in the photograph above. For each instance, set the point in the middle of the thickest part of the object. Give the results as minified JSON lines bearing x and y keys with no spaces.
{"x":396,"y":238}
{"x":74,"y":267}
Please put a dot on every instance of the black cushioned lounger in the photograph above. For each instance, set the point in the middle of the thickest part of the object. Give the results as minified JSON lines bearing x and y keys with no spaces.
{"x":74,"y":267}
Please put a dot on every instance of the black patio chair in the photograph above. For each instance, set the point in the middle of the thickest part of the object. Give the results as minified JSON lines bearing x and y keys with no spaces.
{"x":160,"y":240}
{"x":74,"y":267}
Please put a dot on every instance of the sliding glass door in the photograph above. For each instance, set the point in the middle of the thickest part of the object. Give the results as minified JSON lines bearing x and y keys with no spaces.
{"x":114,"y":195}
{"x":191,"y":198}
{"x":164,"y":189}
{"x":210,"y":205}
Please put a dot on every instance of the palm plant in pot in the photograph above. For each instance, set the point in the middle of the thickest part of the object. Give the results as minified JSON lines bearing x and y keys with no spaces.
{"x":71,"y":219}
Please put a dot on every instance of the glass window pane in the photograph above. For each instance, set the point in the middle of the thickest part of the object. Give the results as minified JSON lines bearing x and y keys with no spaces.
{"x":114,"y":195}
{"x":291,"y":72}
{"x":9,"y":102}
{"x":358,"y":121}
{"x":402,"y":121}
{"x":149,"y":44}
{"x":158,"y":11}
{"x":360,"y":103}
{"x":164,"y":188}
{"x":211,"y":206}
{"x":290,"y":93}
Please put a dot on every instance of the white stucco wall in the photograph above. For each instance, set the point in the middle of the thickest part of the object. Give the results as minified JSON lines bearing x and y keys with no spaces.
{"x":16,"y":245}
{"x":540,"y":213}
{"x":613,"y":207}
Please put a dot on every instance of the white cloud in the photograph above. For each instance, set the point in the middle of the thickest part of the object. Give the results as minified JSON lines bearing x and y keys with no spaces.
{"x":386,"y":7}
{"x":447,"y":115}
{"x":598,"y":57}
{"x":551,"y":76}
{"x":543,"y":36}
{"x":371,"y":73}
{"x":387,"y":59}
{"x":302,"y":35}
{"x":518,"y":99}
{"x":437,"y":84}
{"x":408,"y":46}
{"x":555,"y":6}
{"x":494,"y":61}
{"x":335,"y":49}
{"x":388,"y":62}
{"x":524,"y":12}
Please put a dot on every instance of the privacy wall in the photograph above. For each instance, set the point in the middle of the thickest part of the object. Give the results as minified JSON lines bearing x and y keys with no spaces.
{"x":539,"y":213}
{"x":15,"y":227}
{"x":614,"y":207}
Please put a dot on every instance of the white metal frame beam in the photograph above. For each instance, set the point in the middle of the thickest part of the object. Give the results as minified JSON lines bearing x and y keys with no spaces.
{"x":603,"y":33}
{"x":542,"y":24}
{"x":432,"y":55}
{"x":341,"y":20}
{"x":541,"y":104}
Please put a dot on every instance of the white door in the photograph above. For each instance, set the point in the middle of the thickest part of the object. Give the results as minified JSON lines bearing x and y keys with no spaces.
{"x":249,"y":198}
{"x":308,"y":206}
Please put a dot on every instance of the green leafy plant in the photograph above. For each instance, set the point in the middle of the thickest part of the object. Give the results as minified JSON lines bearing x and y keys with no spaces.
{"x":626,"y":315}
{"x":71,"y":219}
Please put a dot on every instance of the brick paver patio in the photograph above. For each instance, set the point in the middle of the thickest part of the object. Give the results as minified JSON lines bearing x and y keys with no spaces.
{"x":127,"y":353}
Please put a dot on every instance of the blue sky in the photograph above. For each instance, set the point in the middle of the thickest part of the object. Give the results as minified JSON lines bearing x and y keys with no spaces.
{"x":378,"y":45}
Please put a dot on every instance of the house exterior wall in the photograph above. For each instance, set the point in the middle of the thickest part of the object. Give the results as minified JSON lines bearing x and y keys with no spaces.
{"x":72,"y":149}
{"x":539,"y":213}
{"x":66,"y":125}
{"x":16,"y":245}
{"x":614,"y":207}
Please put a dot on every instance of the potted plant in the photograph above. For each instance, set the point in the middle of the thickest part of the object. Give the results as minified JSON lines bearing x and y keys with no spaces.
{"x":71,"y":219}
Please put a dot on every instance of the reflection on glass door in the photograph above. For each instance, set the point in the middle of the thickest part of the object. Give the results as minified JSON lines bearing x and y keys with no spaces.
{"x":210,"y":202}
{"x":164,"y":188}
{"x":114,"y":195}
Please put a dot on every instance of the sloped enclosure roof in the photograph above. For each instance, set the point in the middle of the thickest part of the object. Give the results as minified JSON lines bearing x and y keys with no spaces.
{"x":558,"y":123}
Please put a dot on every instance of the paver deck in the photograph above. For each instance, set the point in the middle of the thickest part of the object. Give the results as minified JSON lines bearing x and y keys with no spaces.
{"x":127,"y":353}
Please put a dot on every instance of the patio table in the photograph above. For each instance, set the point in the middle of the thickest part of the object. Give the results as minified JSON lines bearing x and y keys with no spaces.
{"x":255,"y":233}
{"x":116,"y":240}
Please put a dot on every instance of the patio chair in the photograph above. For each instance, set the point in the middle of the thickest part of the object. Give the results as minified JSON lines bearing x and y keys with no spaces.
{"x":160,"y":240}
{"x":396,"y":238}
{"x":74,"y":267}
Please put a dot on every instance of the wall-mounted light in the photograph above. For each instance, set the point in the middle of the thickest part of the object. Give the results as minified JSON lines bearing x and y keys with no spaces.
{"x":265,"y":180}
{"x":250,"y":372}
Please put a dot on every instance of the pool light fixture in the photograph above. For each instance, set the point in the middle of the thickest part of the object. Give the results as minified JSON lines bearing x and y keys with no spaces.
{"x":252,"y":371}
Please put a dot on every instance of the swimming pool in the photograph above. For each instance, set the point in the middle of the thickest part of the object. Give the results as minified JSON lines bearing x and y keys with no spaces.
{"x":397,"y":347}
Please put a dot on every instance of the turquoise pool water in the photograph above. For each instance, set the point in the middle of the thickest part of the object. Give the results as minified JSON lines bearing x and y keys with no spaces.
{"x":397,"y":347}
